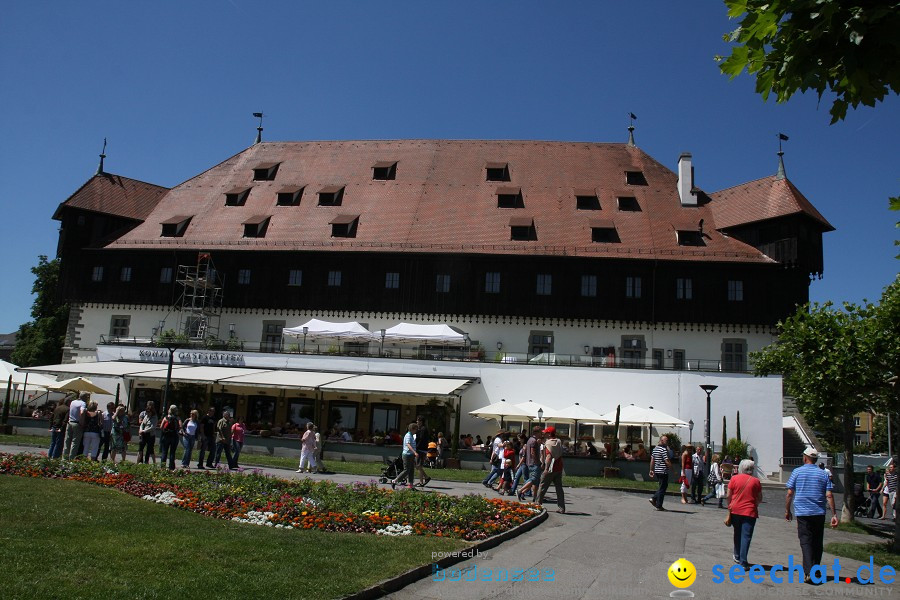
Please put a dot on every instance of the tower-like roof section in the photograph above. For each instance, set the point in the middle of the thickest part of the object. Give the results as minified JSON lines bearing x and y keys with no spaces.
{"x":115,"y":195}
{"x":760,"y":200}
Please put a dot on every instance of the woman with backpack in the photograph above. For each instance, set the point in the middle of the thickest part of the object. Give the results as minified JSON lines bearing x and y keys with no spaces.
{"x":168,"y":442}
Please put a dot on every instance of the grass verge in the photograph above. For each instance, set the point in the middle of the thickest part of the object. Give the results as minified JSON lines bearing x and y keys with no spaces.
{"x":65,"y":539}
{"x":881,"y":552}
{"x":362,"y":468}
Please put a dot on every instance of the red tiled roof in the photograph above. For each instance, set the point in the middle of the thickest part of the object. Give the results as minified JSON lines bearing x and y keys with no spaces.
{"x":762,"y":199}
{"x":440,"y":201}
{"x":115,"y":195}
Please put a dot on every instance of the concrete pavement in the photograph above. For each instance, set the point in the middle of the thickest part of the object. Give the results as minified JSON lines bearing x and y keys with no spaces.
{"x":613,"y":544}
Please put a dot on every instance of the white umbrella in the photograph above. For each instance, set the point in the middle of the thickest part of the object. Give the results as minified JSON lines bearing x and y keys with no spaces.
{"x":7,"y":369}
{"x":77,"y":384}
{"x":636,"y":415}
{"x":498,"y":411}
{"x":532,"y":408}
{"x":576,"y":413}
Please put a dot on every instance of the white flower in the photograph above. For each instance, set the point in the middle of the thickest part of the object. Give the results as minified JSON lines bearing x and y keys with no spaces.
{"x":395,"y":530}
{"x":167,"y":497}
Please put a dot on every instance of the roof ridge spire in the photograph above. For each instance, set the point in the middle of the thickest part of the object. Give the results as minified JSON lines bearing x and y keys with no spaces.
{"x":102,"y":156}
{"x":781,"y":172}
{"x":631,"y":121}
{"x":259,"y":129}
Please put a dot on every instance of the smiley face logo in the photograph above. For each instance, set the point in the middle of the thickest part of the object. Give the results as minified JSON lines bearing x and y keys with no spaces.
{"x":682,"y":573}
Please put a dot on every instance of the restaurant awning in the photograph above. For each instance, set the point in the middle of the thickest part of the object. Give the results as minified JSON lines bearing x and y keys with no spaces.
{"x":398,"y":384}
{"x":116,"y":368}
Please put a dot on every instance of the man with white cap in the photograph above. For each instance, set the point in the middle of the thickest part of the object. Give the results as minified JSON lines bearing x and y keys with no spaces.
{"x":809,"y":488}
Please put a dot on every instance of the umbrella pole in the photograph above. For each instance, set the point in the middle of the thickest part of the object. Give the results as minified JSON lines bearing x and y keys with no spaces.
{"x":5,"y":417}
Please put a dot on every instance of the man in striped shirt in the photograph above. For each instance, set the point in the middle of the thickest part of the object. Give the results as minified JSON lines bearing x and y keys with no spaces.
{"x":660,"y":461}
{"x":810,"y":488}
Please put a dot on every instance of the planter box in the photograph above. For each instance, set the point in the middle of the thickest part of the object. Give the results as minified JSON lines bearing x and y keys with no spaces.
{"x":609,"y":472}
{"x":452,"y":463}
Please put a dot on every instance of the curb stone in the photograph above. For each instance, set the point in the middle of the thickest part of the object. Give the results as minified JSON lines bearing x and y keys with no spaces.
{"x":394,"y":584}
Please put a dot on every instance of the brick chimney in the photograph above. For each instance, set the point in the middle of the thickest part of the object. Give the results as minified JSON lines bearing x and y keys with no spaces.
{"x":686,"y":180}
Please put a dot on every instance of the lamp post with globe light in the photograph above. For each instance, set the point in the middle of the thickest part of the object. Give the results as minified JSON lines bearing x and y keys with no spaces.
{"x":708,"y":388}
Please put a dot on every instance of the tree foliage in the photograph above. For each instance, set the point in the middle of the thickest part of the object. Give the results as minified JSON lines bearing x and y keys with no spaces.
{"x":40,"y":341}
{"x":837,"y":363}
{"x":849,"y":48}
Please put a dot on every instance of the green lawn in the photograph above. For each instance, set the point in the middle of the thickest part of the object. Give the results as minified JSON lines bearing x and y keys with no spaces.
{"x":64,"y":539}
{"x":881,"y":552}
{"x":364,"y":469}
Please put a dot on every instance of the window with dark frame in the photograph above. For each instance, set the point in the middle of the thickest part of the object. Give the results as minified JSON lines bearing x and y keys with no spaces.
{"x":442,"y":283}
{"x":734,"y":355}
{"x":690,"y":238}
{"x":604,"y":235}
{"x":175,"y":227}
{"x":684,"y":288}
{"x":736,"y":290}
{"x":635,"y":178}
{"x":256,"y":226}
{"x":237,"y":196}
{"x":344,"y":226}
{"x":243,"y":277}
{"x":334,"y":278}
{"x":522,"y":229}
{"x":586,"y":200}
{"x":295,"y":277}
{"x":632,"y":287}
{"x":265,"y":171}
{"x":628,"y":204}
{"x":544,"y":284}
{"x":119,"y":325}
{"x":165,"y":275}
{"x":289,"y":196}
{"x":497,"y":171}
{"x":384,"y":171}
{"x":97,"y":274}
{"x":510,"y":198}
{"x":589,"y":286}
{"x":125,"y":274}
{"x":492,"y":282}
{"x":331,"y":195}
{"x":392,"y":281}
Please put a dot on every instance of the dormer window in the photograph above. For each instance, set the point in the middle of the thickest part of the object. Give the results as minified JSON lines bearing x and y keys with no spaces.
{"x":522,"y":229}
{"x":237,"y":196}
{"x":690,"y":238}
{"x":255,"y":227}
{"x":175,"y":226}
{"x":628,"y":204}
{"x":510,"y":198}
{"x":496,"y":171}
{"x":265,"y":171}
{"x":586,"y":200}
{"x":635,"y":178}
{"x":604,"y":232}
{"x":344,"y":226}
{"x":331,"y":195}
{"x":289,"y":195}
{"x":385,"y":170}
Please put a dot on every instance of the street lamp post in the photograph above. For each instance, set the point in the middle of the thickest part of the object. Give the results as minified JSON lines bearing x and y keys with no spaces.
{"x":691,"y":432}
{"x":171,"y":348}
{"x":708,"y":388}
{"x":540,"y":418}
{"x":383,"y":333}
{"x":305,"y":331}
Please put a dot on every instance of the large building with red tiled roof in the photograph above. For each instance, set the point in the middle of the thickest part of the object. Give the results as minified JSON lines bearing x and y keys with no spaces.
{"x":577,"y":253}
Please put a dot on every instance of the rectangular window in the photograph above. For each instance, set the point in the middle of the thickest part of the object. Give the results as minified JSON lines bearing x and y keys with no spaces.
{"x":165,"y":275}
{"x":684,"y":288}
{"x":175,"y":227}
{"x":628,"y":204}
{"x":632,"y":287}
{"x":392,"y":281}
{"x":243,"y":277}
{"x":289,"y":196}
{"x":736,"y":290}
{"x":734,"y":355}
{"x":605,"y":235}
{"x":495,"y":171}
{"x":510,"y":198}
{"x":271,"y":339}
{"x":442,"y":284}
{"x":97,"y":274}
{"x":255,"y":227}
{"x":295,"y":277}
{"x":522,"y":229}
{"x":331,"y":195}
{"x":492,"y":283}
{"x":237,"y":196}
{"x":690,"y":238}
{"x":118,"y":325}
{"x":544,"y":284}
{"x":125,"y":274}
{"x":589,"y":286}
{"x":344,"y":226}
{"x":265,"y":171}
{"x":334,"y":279}
{"x":586,"y":201}
{"x":635,"y":178}
{"x":856,"y":421}
{"x":384,"y":171}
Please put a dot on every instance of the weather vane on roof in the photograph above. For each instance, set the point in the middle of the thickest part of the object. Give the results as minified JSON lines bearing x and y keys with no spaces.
{"x":781,"y":173}
{"x":102,"y":156}
{"x":632,"y":118}
{"x":259,"y":129}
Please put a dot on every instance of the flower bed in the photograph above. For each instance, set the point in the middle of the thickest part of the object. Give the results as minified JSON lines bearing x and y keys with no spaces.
{"x":300,"y":504}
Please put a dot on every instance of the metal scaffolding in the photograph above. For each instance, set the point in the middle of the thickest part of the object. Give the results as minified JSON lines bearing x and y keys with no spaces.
{"x":201,"y":299}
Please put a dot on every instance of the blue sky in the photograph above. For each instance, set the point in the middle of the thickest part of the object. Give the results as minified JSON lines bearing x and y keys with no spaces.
{"x":172,"y":85}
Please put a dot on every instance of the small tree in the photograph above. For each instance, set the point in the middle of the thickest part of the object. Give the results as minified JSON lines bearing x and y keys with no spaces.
{"x":738,"y":427}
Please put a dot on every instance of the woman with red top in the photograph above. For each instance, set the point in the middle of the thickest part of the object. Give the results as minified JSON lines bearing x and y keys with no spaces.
{"x":744,"y":496}
{"x":687,"y":470}
{"x":237,"y":439}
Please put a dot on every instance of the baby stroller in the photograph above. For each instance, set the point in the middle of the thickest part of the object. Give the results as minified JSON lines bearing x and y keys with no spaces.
{"x":392,"y":468}
{"x":860,"y":501}
{"x":431,"y":457}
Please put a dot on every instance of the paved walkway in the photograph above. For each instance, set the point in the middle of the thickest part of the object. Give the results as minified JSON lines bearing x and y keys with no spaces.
{"x":615,"y":545}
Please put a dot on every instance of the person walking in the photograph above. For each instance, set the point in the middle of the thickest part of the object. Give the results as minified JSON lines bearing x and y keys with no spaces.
{"x":660,"y":463}
{"x":409,"y":458}
{"x":223,"y":440}
{"x":422,"y":438}
{"x":320,"y":452}
{"x":308,"y":449}
{"x":106,"y":432}
{"x":206,"y":438}
{"x":92,"y":423}
{"x":496,"y":460}
{"x":74,"y":431}
{"x":553,"y":470}
{"x":170,"y":429}
{"x":744,"y":496}
{"x":697,"y":464}
{"x":58,"y":422}
{"x":120,"y":426}
{"x":889,"y":491}
{"x":521,"y":470}
{"x":809,"y":489}
{"x":189,"y":429}
{"x":237,"y":440}
{"x":147,"y":434}
{"x":716,"y":487}
{"x":874,"y":483}
{"x":532,"y":463}
{"x":687,"y":472}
